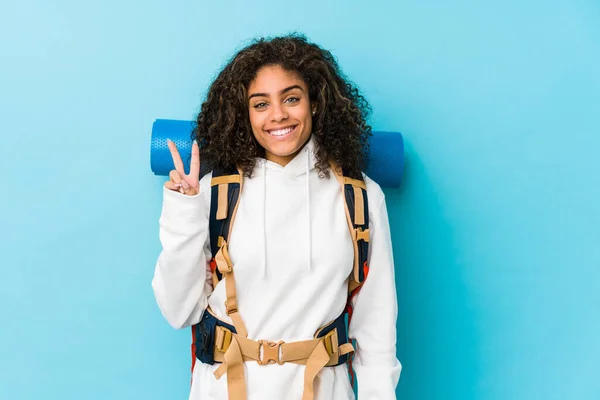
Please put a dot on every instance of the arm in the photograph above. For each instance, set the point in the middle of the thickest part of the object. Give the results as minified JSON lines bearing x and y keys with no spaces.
{"x":375,"y":311}
{"x":182,"y":274}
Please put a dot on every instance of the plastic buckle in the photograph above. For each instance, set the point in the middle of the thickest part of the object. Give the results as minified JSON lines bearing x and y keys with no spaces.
{"x":330,"y":342}
{"x":360,"y":234}
{"x":222,"y":339}
{"x":271,"y":352}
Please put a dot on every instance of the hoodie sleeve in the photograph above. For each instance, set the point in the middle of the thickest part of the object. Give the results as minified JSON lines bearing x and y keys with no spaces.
{"x":375,"y":312}
{"x":181,"y":282}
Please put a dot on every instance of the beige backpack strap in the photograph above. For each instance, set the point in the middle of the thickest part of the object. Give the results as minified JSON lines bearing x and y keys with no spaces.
{"x":354,"y":191}
{"x":232,"y":350}
{"x":226,"y":268}
{"x":222,"y":259}
{"x":223,"y":183}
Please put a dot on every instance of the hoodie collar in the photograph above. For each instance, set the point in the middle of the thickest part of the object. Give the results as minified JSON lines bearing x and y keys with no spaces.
{"x":298,"y":165}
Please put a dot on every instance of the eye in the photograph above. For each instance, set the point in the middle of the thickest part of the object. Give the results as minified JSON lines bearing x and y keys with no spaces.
{"x":292,"y":99}
{"x":260,"y":105}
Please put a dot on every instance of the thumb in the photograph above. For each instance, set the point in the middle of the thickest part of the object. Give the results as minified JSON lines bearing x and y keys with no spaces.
{"x":188,"y":189}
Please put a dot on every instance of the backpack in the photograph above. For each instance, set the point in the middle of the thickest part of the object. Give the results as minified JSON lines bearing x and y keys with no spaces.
{"x":212,"y":338}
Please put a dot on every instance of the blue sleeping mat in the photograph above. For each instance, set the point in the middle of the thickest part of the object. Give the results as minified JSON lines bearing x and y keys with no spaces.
{"x":386,"y":159}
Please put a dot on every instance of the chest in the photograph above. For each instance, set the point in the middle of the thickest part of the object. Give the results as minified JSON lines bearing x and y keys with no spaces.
{"x":291,"y":231}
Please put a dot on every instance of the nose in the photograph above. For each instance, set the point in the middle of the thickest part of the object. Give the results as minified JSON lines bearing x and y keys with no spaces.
{"x":278,"y":113}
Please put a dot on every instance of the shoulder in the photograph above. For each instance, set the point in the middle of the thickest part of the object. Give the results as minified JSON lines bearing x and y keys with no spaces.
{"x":205,"y":186}
{"x":374,"y":192}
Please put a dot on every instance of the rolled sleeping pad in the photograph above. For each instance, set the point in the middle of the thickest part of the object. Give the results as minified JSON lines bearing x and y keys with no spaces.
{"x":386,"y":158}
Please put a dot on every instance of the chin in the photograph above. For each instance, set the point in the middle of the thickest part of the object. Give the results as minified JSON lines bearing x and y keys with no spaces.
{"x":284,"y":149}
{"x":285,"y":145}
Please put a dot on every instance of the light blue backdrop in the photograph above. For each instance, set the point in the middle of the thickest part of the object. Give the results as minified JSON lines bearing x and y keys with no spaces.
{"x":495,"y":232}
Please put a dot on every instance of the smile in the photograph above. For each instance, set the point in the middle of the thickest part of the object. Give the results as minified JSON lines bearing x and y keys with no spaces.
{"x":280,"y":133}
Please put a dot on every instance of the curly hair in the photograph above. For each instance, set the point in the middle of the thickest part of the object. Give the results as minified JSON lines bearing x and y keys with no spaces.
{"x":340,"y":130}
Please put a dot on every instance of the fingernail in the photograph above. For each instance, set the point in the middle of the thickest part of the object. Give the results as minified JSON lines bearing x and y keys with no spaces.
{"x":185,"y":185}
{"x":177,"y":185}
{"x":195,"y":142}
{"x":168,"y":140}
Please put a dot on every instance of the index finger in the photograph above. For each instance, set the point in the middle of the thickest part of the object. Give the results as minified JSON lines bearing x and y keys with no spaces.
{"x":176,"y":157}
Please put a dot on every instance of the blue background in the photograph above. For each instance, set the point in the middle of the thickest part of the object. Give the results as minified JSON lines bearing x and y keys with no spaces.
{"x":495,"y":230}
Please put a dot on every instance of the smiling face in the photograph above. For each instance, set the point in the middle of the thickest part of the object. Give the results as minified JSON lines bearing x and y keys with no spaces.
{"x":280,"y":113}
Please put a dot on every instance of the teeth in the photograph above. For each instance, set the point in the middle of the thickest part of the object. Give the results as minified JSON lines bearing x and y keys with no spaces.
{"x":281,"y":132}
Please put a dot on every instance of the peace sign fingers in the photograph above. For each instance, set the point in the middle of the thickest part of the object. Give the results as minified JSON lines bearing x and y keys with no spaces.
{"x":178,"y":180}
{"x":176,"y":158}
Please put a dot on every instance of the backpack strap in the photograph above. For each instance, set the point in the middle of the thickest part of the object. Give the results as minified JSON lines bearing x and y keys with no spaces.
{"x":226,"y":187}
{"x":356,"y":204}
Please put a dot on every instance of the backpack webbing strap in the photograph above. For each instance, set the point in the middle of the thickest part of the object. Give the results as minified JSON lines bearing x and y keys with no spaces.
{"x":222,"y":183}
{"x":354,"y":190}
{"x":232,"y":350}
{"x":225,"y":266}
{"x":226,"y":187}
{"x":356,"y":205}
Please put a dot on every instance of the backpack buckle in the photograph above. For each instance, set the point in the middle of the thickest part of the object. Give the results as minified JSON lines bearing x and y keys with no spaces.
{"x":222,"y":339}
{"x":331,"y":342}
{"x":360,"y":234}
{"x":271,"y":352}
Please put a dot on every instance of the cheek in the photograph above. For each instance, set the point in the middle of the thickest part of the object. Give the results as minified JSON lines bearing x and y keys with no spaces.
{"x":256,"y":122}
{"x":303,"y":115}
{"x":307,"y":127}
{"x":308,"y":122}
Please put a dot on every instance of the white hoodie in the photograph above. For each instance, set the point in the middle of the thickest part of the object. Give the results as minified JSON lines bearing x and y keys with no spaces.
{"x":292,"y":256}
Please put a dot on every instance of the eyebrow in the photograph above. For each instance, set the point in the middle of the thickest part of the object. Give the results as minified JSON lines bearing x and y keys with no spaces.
{"x":287,"y":89}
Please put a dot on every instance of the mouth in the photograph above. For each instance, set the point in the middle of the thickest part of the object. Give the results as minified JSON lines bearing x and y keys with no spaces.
{"x":282,"y":133}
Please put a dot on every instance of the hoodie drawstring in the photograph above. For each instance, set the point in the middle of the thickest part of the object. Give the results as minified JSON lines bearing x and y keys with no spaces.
{"x":308,"y":221}
{"x":264,"y":219}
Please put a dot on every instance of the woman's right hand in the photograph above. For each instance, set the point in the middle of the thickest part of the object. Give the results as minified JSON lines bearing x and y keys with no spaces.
{"x":178,"y":180}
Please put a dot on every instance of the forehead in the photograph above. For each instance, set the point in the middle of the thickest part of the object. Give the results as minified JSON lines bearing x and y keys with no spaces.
{"x":272,"y":79}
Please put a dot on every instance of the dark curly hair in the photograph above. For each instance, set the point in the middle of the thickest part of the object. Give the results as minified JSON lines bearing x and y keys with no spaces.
{"x":341,"y":132}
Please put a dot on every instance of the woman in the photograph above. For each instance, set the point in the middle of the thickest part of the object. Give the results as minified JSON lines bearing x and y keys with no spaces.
{"x":283,"y":114}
